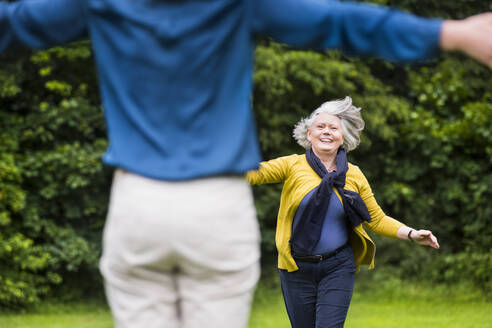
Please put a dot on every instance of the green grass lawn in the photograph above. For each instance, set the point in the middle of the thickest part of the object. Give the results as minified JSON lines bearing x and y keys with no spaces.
{"x":90,"y":315}
{"x":406,"y":314}
{"x":403,"y":307}
{"x":406,"y":307}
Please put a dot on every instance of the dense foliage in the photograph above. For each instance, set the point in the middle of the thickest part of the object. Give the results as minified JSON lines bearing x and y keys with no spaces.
{"x":426,"y":149}
{"x":53,"y":186}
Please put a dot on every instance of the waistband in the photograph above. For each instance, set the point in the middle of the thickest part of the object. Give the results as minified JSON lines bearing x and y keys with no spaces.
{"x":320,"y":257}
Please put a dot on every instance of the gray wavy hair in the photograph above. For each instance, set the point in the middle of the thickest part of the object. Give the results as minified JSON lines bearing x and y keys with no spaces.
{"x":349,"y":115}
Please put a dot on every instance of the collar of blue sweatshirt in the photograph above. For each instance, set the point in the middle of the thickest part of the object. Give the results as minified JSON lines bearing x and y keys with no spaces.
{"x":176,"y":76}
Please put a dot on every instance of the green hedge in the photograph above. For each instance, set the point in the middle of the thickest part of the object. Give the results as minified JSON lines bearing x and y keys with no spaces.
{"x":53,"y":186}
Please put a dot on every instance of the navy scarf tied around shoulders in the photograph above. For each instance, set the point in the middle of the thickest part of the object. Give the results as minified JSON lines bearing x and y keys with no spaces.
{"x":308,"y":230}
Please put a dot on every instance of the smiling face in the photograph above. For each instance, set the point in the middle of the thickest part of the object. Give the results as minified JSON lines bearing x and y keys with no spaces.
{"x":325,"y":134}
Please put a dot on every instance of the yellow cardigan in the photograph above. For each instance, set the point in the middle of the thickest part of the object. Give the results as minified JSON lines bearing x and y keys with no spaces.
{"x":299,"y":179}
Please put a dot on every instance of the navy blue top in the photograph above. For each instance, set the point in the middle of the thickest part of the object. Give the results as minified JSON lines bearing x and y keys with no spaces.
{"x":176,"y":76}
{"x":334,"y":232}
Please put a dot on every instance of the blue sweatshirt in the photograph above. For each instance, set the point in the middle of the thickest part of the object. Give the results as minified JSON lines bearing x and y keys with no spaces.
{"x":176,"y":76}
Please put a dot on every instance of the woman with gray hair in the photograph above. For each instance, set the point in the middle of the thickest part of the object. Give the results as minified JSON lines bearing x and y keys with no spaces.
{"x":325,"y":205}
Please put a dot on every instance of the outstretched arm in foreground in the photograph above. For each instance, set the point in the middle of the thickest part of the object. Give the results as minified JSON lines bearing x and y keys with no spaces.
{"x":42,"y":23}
{"x":369,"y":30}
{"x":472,"y":36}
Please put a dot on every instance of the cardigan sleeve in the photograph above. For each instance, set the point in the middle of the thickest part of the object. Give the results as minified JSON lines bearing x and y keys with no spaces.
{"x":380,"y":222}
{"x":355,"y":28}
{"x":273,"y":171}
{"x":42,"y":23}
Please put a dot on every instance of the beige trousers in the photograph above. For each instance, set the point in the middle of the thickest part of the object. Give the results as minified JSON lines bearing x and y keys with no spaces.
{"x":180,"y":254}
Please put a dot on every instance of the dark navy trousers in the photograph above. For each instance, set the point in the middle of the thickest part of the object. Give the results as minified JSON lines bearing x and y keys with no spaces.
{"x":318,"y":294}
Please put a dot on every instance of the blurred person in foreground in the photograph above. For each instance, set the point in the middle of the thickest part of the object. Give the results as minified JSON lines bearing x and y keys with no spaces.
{"x":325,"y":204}
{"x":181,"y":241}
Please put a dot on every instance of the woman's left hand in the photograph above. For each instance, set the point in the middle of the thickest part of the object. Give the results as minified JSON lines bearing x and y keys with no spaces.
{"x":424,"y":237}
